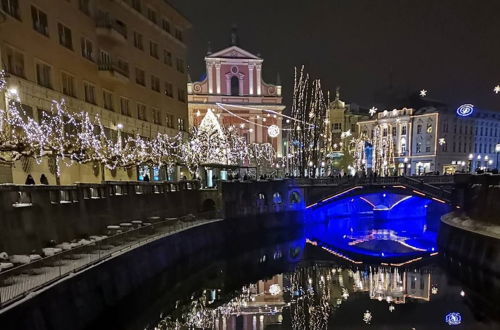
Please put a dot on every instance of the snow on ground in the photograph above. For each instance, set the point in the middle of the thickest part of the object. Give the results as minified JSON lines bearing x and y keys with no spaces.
{"x":466,"y":223}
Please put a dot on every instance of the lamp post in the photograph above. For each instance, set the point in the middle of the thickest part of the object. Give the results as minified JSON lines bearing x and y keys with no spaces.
{"x":405,"y":161}
{"x":478,"y":162}
{"x":497,"y":150}
{"x":486,"y":161}
{"x":471,"y":156}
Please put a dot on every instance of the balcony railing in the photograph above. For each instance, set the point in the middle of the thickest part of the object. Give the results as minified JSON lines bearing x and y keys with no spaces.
{"x":105,"y":21}
{"x":114,"y":66}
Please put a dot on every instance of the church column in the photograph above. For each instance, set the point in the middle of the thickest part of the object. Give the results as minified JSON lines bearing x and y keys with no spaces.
{"x":259,"y":79}
{"x":250,"y":78}
{"x":210,"y":78}
{"x":241,"y":77}
{"x":217,"y":73}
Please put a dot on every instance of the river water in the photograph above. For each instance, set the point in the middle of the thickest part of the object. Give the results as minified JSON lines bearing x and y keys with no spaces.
{"x":346,"y":273}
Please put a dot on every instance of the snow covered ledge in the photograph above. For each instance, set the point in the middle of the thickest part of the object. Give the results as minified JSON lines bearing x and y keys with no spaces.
{"x":464,"y":222}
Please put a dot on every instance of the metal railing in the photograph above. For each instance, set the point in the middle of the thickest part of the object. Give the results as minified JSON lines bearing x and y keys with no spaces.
{"x":17,"y":282}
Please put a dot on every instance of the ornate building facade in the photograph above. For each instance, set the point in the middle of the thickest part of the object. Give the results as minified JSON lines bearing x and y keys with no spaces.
{"x":233,"y":88}
{"x":429,"y":139}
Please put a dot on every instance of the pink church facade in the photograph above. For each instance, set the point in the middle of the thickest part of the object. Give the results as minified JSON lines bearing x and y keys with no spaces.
{"x":235,"y":91}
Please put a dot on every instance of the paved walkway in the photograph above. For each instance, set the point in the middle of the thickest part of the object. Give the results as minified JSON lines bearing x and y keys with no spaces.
{"x":18,"y":282}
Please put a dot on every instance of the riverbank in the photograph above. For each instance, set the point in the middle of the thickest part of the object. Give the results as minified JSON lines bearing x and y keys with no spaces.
{"x":87,"y":295}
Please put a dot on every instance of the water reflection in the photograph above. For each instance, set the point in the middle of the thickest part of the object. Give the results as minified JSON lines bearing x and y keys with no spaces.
{"x":324,"y":278}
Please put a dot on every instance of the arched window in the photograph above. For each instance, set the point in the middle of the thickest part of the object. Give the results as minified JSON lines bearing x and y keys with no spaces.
{"x":235,"y":86}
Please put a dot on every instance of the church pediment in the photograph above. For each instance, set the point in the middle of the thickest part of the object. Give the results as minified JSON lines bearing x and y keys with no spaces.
{"x":233,"y":52}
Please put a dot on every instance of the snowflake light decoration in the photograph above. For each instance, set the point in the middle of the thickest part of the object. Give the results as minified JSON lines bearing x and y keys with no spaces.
{"x":496,"y":89}
{"x":367,"y":317}
{"x":434,"y":290}
{"x":273,"y":131}
{"x":423,"y":93}
{"x":453,"y":318}
{"x":442,"y":141}
{"x":372,"y":111}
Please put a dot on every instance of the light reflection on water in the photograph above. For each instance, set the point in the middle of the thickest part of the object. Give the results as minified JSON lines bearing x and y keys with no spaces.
{"x":332,"y":291}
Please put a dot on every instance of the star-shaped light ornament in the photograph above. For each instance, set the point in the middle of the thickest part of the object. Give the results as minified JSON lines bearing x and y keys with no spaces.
{"x":442,"y":141}
{"x":496,"y":89}
{"x":373,"y":111}
{"x":423,"y":93}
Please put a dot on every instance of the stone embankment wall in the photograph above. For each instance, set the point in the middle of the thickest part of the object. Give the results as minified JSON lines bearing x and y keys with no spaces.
{"x":32,"y":216}
{"x":480,"y":196}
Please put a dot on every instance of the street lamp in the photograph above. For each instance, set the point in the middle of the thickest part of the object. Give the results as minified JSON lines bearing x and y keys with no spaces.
{"x":405,"y":161}
{"x":471,"y":156}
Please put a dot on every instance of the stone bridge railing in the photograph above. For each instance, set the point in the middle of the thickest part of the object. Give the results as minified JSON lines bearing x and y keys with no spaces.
{"x":317,"y":189}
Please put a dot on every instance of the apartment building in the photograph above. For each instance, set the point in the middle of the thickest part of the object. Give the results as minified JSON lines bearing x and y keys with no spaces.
{"x":122,"y":59}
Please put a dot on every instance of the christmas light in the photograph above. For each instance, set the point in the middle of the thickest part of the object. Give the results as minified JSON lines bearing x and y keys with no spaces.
{"x":423,"y":93}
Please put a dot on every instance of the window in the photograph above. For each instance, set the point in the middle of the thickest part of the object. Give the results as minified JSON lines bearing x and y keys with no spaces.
{"x":84,"y":6}
{"x":89,"y":91}
{"x":384,"y":132}
{"x":152,"y":15}
{"x":107,"y":97}
{"x":169,"y":89}
{"x":153,"y":50}
{"x":419,"y":129}
{"x":11,"y":7}
{"x":178,"y":35}
{"x":40,"y":22}
{"x":65,"y":36}
{"x":140,"y":77}
{"x":165,"y":25}
{"x":136,"y":4}
{"x":403,"y":130}
{"x":124,"y":106}
{"x":169,"y":121}
{"x":181,"y":95}
{"x":180,"y":124}
{"x":15,"y":62}
{"x":43,"y":75}
{"x":419,"y":147}
{"x":138,"y":41}
{"x":337,"y":126}
{"x":155,"y":84}
{"x":167,"y":57}
{"x":180,"y":67}
{"x":141,"y":112}
{"x":403,"y":145}
{"x":394,"y":131}
{"x":87,"y":49}
{"x":68,"y":84}
{"x":156,"y":116}
{"x":428,"y":146}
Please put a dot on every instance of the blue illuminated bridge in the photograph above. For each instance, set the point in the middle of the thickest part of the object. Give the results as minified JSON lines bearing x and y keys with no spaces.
{"x":391,"y":220}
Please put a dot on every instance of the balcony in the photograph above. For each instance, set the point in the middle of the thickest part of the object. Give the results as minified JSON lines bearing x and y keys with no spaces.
{"x":116,"y":71}
{"x":110,"y":30}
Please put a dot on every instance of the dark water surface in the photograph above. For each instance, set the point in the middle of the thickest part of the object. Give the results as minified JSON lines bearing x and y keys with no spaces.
{"x":351,"y":273}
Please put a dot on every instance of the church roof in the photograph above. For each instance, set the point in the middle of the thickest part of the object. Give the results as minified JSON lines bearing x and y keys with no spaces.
{"x":233,"y":52}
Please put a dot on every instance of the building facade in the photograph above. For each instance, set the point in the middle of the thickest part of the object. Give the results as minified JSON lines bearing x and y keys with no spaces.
{"x":341,"y":118}
{"x":123,"y":60}
{"x":429,"y":139}
{"x":235,"y":91}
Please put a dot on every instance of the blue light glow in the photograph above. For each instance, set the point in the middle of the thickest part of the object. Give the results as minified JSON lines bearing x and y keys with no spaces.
{"x":453,"y":318}
{"x":382,"y":224}
{"x":465,"y":110}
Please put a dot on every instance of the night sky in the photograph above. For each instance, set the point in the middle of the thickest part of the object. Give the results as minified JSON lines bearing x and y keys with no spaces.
{"x":449,"y":47}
